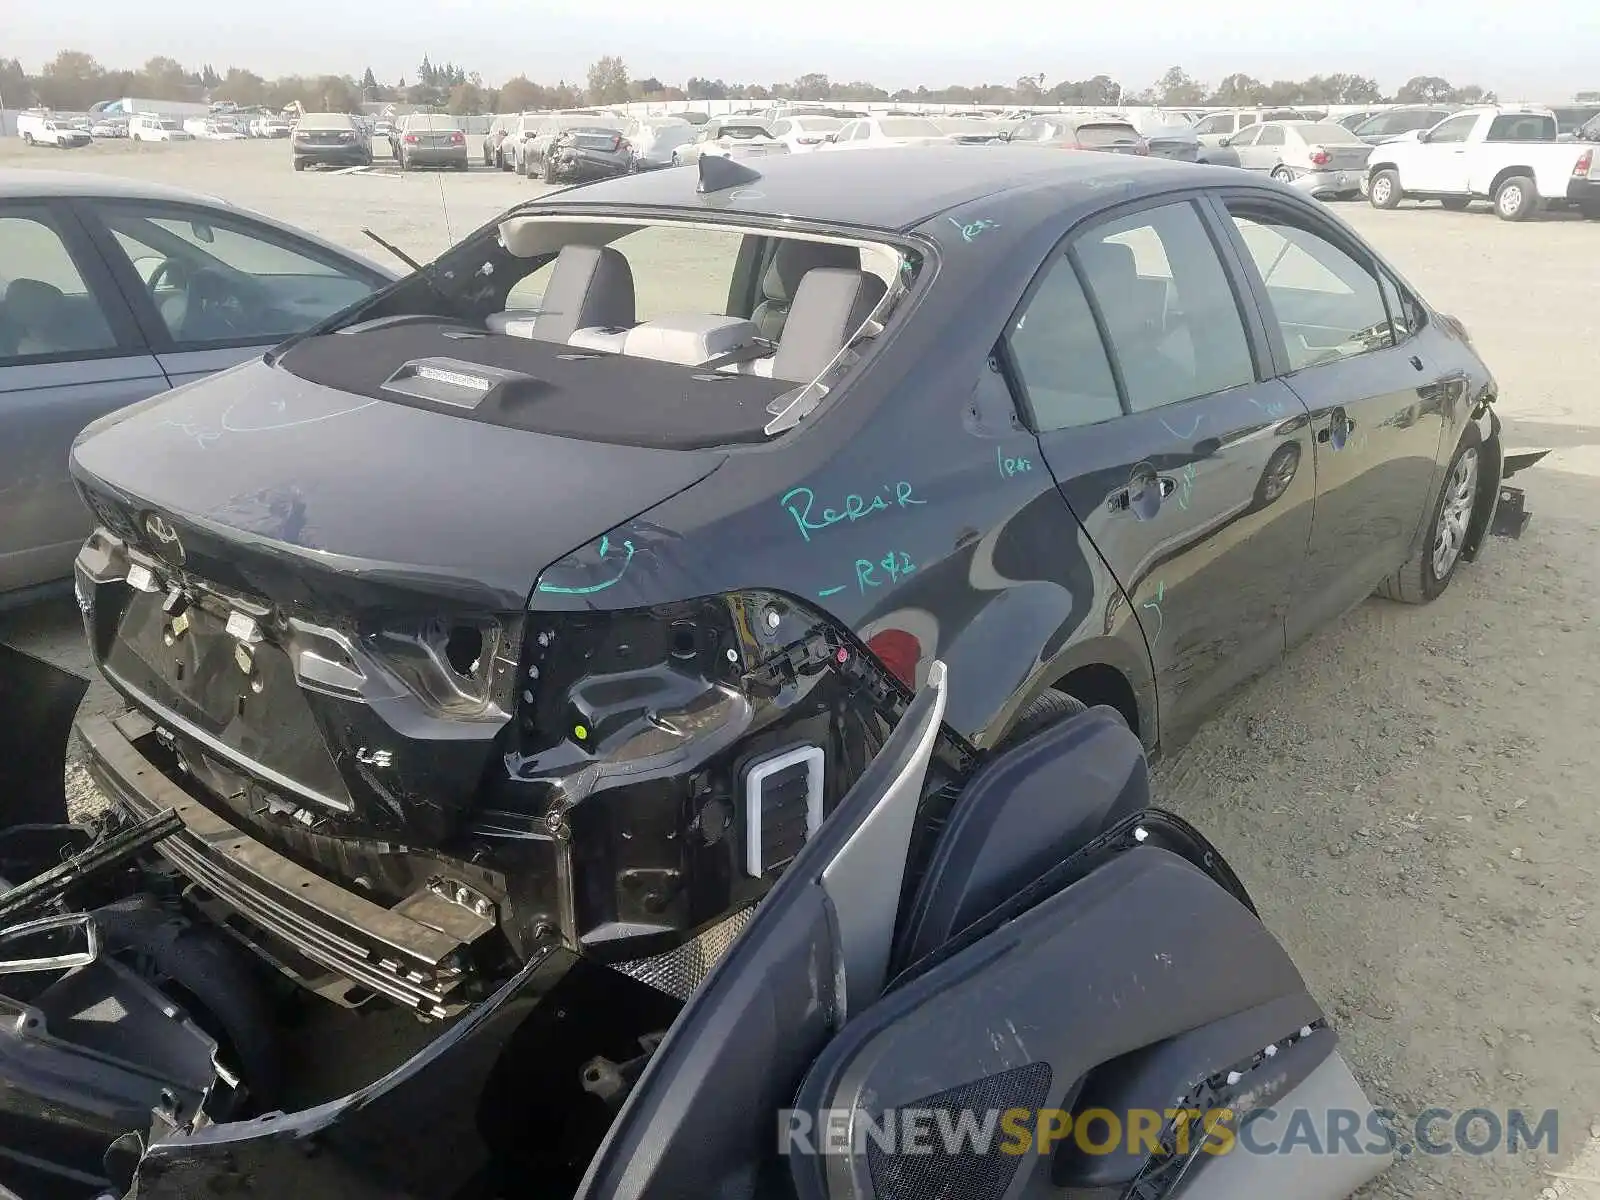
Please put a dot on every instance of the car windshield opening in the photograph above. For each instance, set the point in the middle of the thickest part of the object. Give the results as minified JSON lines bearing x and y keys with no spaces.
{"x":640,"y":331}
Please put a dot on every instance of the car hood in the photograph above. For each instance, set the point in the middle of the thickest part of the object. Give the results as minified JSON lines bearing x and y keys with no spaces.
{"x":261,"y":473}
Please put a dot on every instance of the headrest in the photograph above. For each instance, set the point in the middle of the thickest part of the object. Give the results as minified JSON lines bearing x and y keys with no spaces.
{"x":829,"y":306}
{"x":1108,"y":261}
{"x":689,"y":338}
{"x":589,"y":285}
{"x":794,"y":259}
{"x":32,"y":303}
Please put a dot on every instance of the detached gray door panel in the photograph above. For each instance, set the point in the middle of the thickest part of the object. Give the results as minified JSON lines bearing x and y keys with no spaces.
{"x":42,"y":408}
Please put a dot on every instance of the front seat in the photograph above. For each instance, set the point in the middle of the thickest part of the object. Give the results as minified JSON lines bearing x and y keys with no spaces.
{"x":1132,"y":308}
{"x":37,"y":313}
{"x":829,"y":306}
{"x":780,"y":283}
{"x":590,"y":287}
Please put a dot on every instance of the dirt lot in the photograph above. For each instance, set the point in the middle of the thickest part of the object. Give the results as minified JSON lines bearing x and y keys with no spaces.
{"x":1408,"y":796}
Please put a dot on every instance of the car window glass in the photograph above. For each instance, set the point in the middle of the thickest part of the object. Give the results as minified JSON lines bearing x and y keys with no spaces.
{"x":781,"y":129}
{"x":1271,"y":135}
{"x":1456,"y":129}
{"x":1246,"y":138}
{"x":1405,"y":314}
{"x":1248,"y":119}
{"x":1058,"y":356}
{"x":863,"y":131}
{"x":681,"y":269}
{"x":1169,"y":311}
{"x":45,"y":306}
{"x":1327,"y":303}
{"x":245,"y":284}
{"x":1522,"y":127}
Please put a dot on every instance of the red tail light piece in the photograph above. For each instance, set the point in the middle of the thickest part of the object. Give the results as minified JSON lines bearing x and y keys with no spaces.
{"x":458,"y":138}
{"x":1585,"y":161}
{"x":411,"y":138}
{"x":810,"y":141}
{"x":899,"y":652}
{"x":1320,"y":157}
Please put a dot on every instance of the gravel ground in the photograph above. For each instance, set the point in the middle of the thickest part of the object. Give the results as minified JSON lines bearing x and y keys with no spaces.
{"x":1405,"y":796}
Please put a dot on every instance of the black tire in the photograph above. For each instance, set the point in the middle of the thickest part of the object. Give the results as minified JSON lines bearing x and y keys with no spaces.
{"x":1283,"y":175}
{"x":1048,"y":708}
{"x":299,"y":164}
{"x":1516,"y":199}
{"x":1420,"y":580}
{"x":547,"y":172}
{"x":405,"y":161}
{"x":211,"y":979}
{"x":1385,"y":184}
{"x":27,"y":139}
{"x":1456,"y":203}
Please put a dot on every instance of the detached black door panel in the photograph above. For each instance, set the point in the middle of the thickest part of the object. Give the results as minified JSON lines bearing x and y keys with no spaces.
{"x":1191,"y":476}
{"x":1374,"y":411}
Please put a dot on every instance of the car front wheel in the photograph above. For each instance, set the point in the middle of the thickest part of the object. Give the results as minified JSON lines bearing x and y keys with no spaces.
{"x":1427,"y":575}
{"x":1385,"y":191}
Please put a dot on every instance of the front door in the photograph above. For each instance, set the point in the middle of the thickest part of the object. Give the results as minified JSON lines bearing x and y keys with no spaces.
{"x":215,"y":289}
{"x":1373,"y":399}
{"x":69,"y":353}
{"x":1152,"y":393}
{"x":1440,"y":164}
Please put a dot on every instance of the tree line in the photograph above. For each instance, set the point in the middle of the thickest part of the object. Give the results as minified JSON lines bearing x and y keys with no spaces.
{"x":73,"y":80}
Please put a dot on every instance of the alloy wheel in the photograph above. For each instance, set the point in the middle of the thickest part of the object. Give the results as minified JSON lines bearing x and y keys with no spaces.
{"x":1455,"y":512}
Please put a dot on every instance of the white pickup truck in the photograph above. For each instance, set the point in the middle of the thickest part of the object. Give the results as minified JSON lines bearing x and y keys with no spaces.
{"x":1504,"y":154}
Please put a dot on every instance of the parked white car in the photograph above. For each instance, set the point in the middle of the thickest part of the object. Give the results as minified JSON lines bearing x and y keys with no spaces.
{"x":1212,"y":128}
{"x":269,"y":127}
{"x":876,"y":133}
{"x":803,"y":133}
{"x":1505,"y":154}
{"x":151,"y":127}
{"x":39,"y":129}
{"x":729,"y":137}
{"x":1322,"y":158}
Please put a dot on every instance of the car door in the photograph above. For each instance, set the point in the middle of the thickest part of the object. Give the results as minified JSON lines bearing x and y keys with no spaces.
{"x":1441,"y":164}
{"x":1374,"y":400}
{"x":70,"y":351}
{"x":1145,"y":374}
{"x":211,"y":288}
{"x":1235,"y":150}
{"x":1266,"y":152}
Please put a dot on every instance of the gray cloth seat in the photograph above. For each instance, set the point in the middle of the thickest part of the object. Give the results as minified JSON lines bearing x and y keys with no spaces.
{"x":590,"y":287}
{"x":829,"y":306}
{"x":791,"y":263}
{"x":37,"y":313}
{"x":1156,"y":365}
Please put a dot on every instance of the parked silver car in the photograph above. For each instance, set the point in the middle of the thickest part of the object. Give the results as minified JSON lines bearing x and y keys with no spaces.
{"x":112,"y":290}
{"x":1320,"y":157}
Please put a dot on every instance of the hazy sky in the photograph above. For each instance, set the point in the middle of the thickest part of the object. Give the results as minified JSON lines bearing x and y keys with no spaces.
{"x":1546,"y":51}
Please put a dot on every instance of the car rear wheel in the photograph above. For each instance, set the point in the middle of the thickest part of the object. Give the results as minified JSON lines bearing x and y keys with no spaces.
{"x":1048,"y":708}
{"x":1385,"y":191}
{"x":299,"y":164}
{"x":1427,"y":575}
{"x":1516,"y":198}
{"x":1283,"y":175}
{"x":27,"y":139}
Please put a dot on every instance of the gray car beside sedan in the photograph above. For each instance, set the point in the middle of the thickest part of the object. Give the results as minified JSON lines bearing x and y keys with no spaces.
{"x":111,"y":291}
{"x":429,"y":140}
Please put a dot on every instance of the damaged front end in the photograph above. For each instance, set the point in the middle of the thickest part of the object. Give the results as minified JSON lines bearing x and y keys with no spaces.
{"x":413,"y":806}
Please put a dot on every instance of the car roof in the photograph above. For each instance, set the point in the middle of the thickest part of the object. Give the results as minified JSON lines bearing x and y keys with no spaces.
{"x":29,"y":184}
{"x":896,"y":189}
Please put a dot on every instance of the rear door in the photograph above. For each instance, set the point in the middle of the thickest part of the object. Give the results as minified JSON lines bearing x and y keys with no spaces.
{"x":1144,"y":368}
{"x":70,"y":352}
{"x":1375,"y":401}
{"x":1266,"y":152}
{"x":213,"y":289}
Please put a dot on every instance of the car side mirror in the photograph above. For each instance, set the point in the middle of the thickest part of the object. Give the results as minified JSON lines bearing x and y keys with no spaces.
{"x":1005,"y":135}
{"x":203,"y":232}
{"x":1227,"y":141}
{"x":1424,"y":136}
{"x":832,"y":137}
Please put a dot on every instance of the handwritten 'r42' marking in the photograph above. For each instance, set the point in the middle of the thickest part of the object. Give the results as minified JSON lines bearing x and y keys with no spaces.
{"x":1011,"y":466}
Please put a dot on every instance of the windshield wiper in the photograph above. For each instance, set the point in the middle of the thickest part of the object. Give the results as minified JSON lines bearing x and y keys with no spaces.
{"x":393,"y":249}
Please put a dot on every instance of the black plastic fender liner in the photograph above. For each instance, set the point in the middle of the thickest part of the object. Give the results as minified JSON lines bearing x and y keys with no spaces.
{"x":1143,"y":949}
{"x":1025,"y":811}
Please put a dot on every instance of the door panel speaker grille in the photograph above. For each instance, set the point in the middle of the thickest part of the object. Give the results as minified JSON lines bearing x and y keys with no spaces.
{"x":970,"y":1173}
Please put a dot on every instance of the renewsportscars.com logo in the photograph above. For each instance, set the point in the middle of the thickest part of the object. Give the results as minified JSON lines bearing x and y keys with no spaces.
{"x":1216,"y":1131}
